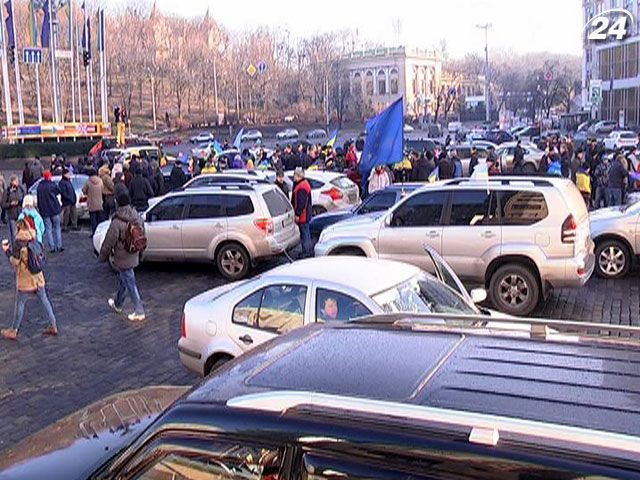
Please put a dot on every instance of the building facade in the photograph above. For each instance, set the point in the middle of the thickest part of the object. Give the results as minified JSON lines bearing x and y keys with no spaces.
{"x":614,"y":62}
{"x":379,"y":77}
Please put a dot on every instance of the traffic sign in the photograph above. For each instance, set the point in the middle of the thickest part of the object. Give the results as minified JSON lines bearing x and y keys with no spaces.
{"x":32,"y":55}
{"x":252,"y":70}
{"x":595,"y":92}
{"x":262,"y":66}
{"x":548,"y":75}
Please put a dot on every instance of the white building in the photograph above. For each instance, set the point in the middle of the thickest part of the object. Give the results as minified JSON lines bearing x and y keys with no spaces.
{"x":614,"y":62}
{"x":382,"y":75}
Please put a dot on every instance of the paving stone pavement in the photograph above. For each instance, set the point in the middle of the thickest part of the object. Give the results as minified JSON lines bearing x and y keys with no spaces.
{"x":99,"y":353}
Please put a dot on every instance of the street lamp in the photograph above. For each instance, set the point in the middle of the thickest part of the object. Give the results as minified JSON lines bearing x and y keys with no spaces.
{"x":486,"y":28}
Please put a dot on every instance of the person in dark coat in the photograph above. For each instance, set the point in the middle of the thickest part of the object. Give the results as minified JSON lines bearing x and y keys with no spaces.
{"x":473,"y":161}
{"x":281,"y":184}
{"x":27,"y":179}
{"x":69,"y":198}
{"x":50,"y":208}
{"x":119,"y":186}
{"x":445,"y":168}
{"x":12,"y":204}
{"x":178,"y":177}
{"x":140,"y":191}
{"x":518,"y":158}
{"x":158,"y":178}
{"x":301,"y":200}
{"x":617,"y":181}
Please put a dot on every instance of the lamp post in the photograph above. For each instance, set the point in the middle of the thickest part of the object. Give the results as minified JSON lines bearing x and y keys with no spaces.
{"x":487,"y":105}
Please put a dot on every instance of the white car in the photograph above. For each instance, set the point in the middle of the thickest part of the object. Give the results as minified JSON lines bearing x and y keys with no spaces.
{"x":621,"y":139}
{"x":288,"y":134}
{"x":532,"y":157}
{"x":330,"y":191}
{"x":251,"y":136}
{"x":203,"y":150}
{"x":407,"y":128}
{"x":202,"y":137}
{"x":453,"y":127}
{"x":227,"y":321}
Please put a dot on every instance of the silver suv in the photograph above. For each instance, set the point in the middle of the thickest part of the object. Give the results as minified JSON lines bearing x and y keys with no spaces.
{"x":517,"y":236}
{"x":616,"y":233}
{"x":234,"y":225}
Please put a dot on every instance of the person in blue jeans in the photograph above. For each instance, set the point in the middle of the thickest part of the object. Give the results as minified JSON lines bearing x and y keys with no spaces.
{"x":123,"y":262}
{"x":50,"y":209}
{"x":617,"y":181}
{"x":28,"y":283}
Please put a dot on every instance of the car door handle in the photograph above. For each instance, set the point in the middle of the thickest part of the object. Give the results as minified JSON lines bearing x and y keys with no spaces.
{"x":487,"y":234}
{"x":175,"y":227}
{"x":433,"y":234}
{"x":246,"y":339}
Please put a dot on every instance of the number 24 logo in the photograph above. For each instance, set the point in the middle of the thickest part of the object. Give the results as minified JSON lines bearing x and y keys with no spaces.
{"x":602,"y":27}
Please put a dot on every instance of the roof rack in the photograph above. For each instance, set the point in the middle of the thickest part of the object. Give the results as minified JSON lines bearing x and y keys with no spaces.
{"x":531,"y":180}
{"x":485,"y":429}
{"x":223,"y":186}
{"x":540,"y":327}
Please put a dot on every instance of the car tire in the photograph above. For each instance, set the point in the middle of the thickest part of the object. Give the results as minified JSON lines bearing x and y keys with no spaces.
{"x":318,"y":210}
{"x":215,"y":362}
{"x":514,"y":289}
{"x":350,"y":251}
{"x":529,"y":168}
{"x":612,"y":259}
{"x":233,"y":261}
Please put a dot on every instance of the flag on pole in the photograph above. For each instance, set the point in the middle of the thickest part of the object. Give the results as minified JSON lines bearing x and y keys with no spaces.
{"x":384,"y":144}
{"x":238,"y":140}
{"x":45,"y":35}
{"x":33,"y":31}
{"x":68,"y":8}
{"x":333,"y":138}
{"x":101,"y":30}
{"x":11,"y":38}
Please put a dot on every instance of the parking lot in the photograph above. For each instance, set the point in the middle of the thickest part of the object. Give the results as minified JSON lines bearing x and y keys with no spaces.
{"x":98,"y":353}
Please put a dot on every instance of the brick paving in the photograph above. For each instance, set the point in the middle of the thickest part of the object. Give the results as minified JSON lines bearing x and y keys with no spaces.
{"x":99,"y":353}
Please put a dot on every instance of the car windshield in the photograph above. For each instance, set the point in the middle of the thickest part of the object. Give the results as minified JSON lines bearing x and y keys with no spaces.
{"x":628,"y":135}
{"x":423,"y":294}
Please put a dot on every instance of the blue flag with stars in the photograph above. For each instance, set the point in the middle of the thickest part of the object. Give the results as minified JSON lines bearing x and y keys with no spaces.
{"x":384,"y":143}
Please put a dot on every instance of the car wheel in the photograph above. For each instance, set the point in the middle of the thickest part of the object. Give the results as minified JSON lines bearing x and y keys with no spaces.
{"x":514,"y":290}
{"x":612,"y":259}
{"x":318,"y":210}
{"x":233,"y":261}
{"x":529,"y":168}
{"x":353,"y":252}
{"x":215,"y":362}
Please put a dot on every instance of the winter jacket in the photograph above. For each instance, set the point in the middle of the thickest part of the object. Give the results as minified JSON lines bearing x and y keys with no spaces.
{"x":140,"y":191}
{"x":48,"y":203}
{"x":617,"y":174}
{"x":93,"y":191}
{"x":3,"y":187}
{"x":601,"y":174}
{"x":12,"y":201}
{"x":113,"y":244}
{"x":178,"y":177}
{"x":37,"y":220}
{"x":302,"y":201}
{"x":283,"y":187}
{"x":445,"y":169}
{"x":107,"y":182}
{"x":158,"y":182}
{"x":457,"y":167}
{"x":378,"y":181}
{"x":67,"y":192}
{"x":36,"y":171}
{"x":19,"y":258}
{"x":120,"y":188}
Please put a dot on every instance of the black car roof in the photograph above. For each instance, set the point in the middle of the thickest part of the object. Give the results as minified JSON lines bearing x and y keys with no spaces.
{"x":594,"y":386}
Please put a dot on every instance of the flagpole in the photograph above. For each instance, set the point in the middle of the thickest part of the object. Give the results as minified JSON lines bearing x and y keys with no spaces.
{"x":5,"y":77}
{"x":34,"y":43}
{"x":52,"y":50}
{"x":103,"y":77}
{"x":71,"y":46}
{"x":16,"y":65}
{"x":77,"y":67}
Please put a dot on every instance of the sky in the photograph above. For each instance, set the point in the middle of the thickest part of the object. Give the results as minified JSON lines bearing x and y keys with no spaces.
{"x":519,"y":25}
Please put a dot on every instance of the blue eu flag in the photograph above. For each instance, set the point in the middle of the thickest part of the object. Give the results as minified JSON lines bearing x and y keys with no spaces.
{"x":384,"y":143}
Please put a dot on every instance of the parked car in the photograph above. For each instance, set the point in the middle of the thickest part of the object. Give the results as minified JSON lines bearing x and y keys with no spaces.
{"x":287,"y":134}
{"x":532,"y":157}
{"x":420,"y":145}
{"x":528,"y":235}
{"x":169,"y":140}
{"x":529,"y":133}
{"x":251,"y":136}
{"x":453,"y":127}
{"x":498,"y":136}
{"x":111,"y":155}
{"x":227,"y":321}
{"x":330,"y":191}
{"x":407,"y":128}
{"x":623,"y":139}
{"x":603,"y":128}
{"x":464,"y":153}
{"x":316,"y":134}
{"x":234,"y":226}
{"x":78,"y":182}
{"x":616,"y":234}
{"x":149,"y":153}
{"x":202,"y":137}
{"x":385,"y":397}
{"x":378,"y":201}
{"x":203,"y":150}
{"x":289,"y":118}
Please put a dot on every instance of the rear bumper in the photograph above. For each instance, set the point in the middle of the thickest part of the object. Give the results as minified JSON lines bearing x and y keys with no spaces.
{"x":273,"y":247}
{"x":572,"y":273}
{"x":190,"y":357}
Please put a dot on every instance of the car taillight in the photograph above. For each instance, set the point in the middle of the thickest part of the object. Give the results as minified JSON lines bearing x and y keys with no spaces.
{"x":334,"y":193}
{"x":264,"y":224}
{"x":569,"y":230}
{"x":183,"y":326}
{"x":83,"y":199}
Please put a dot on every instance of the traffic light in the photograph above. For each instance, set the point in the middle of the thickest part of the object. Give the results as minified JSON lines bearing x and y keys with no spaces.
{"x":86,"y":58}
{"x":11,"y":55}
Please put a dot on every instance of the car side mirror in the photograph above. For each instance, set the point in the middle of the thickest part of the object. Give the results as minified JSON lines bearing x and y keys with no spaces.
{"x":478,"y":295}
{"x":387,"y":220}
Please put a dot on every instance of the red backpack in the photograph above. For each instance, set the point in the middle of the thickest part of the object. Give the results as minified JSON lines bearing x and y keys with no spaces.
{"x":134,"y":241}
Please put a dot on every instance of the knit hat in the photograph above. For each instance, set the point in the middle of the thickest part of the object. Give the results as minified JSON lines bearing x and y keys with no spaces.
{"x":47,"y":175}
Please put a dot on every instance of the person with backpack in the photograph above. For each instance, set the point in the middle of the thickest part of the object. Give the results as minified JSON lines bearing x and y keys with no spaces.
{"x":123,"y":242}
{"x":31,"y":215}
{"x":27,"y":258}
{"x":50,"y":208}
